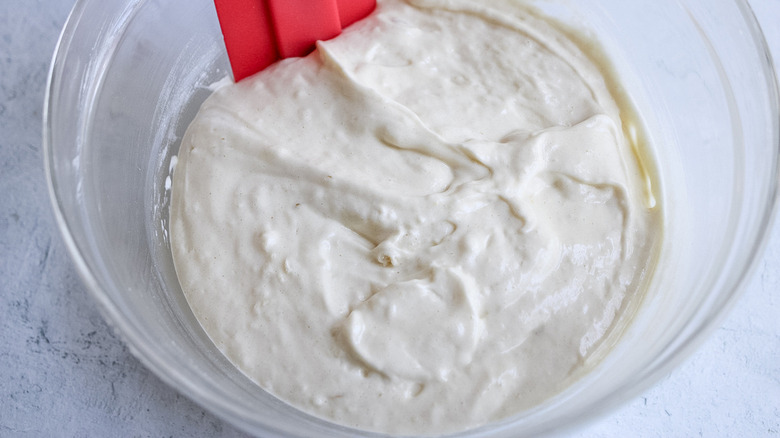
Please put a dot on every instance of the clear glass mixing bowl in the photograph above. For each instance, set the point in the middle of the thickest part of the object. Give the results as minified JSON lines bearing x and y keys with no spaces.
{"x":128,"y":76}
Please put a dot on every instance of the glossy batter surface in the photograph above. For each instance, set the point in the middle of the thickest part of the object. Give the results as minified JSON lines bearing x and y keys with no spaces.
{"x":430,"y":223}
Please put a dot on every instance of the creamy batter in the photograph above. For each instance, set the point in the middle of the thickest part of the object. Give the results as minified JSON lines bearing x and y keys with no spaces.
{"x":432,"y":222}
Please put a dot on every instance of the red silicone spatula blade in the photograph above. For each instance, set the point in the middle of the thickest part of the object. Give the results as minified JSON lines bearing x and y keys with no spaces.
{"x":298,"y":24}
{"x":351,"y":11}
{"x":248,"y":33}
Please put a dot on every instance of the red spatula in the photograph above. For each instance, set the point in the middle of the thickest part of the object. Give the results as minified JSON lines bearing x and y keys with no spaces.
{"x":258,"y":33}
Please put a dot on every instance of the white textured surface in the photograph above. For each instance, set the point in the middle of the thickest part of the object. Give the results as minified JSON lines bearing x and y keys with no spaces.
{"x":63,"y":372}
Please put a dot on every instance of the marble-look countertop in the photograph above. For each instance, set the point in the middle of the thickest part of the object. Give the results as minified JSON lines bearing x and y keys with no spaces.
{"x":64,"y":373}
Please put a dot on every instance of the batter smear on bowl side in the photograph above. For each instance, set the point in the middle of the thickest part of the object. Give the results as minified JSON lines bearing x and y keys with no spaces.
{"x":432,"y":222}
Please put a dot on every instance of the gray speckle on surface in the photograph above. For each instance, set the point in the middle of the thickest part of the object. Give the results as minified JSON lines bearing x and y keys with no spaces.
{"x":64,"y":373}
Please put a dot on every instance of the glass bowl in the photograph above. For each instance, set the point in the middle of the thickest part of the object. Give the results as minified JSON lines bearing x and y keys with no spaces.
{"x":129,"y":75}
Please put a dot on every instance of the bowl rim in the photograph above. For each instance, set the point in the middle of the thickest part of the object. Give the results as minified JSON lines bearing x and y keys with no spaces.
{"x":126,"y":329}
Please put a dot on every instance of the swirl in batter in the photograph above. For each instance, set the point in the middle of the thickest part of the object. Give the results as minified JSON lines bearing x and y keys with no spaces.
{"x":430,"y":223}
